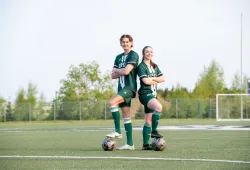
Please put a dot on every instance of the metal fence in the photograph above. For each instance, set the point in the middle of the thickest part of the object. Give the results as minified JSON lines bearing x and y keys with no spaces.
{"x":189,"y":108}
{"x":87,"y":110}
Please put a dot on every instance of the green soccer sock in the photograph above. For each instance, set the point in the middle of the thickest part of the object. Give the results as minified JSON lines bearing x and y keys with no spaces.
{"x":128,"y":129}
{"x":155,"y":120}
{"x":116,"y":116}
{"x":146,"y":133}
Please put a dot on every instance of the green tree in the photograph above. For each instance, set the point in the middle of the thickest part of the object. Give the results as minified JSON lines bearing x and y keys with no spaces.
{"x":43,"y":109}
{"x":236,"y":84}
{"x":179,"y":98}
{"x":188,"y":113}
{"x":9,"y":112}
{"x":163,"y":93}
{"x":21,"y":112}
{"x":2,"y":99}
{"x":83,"y":82}
{"x":31,"y":99}
{"x":31,"y":93}
{"x":179,"y":92}
{"x":2,"y":107}
{"x":25,"y":103}
{"x":210,"y":83}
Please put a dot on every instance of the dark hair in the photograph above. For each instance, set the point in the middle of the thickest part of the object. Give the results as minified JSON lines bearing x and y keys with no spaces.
{"x":127,"y":36}
{"x":151,"y":62}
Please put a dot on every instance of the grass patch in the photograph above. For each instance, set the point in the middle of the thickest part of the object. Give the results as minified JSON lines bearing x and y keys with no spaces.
{"x":83,"y":138}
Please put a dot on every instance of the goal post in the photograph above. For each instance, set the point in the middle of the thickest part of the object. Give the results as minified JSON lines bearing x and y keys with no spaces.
{"x":233,"y":107}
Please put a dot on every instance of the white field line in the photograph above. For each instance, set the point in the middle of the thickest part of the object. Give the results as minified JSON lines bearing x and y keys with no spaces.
{"x":168,"y":128}
{"x":118,"y":157}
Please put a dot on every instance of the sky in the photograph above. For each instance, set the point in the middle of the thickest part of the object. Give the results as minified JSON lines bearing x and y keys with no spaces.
{"x":40,"y":39}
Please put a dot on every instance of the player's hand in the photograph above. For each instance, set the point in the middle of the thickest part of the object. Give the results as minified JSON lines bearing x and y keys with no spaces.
{"x":114,"y":75}
{"x":114,"y":70}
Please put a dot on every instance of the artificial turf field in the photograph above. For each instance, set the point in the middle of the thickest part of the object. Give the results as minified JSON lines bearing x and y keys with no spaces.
{"x":77,"y":145}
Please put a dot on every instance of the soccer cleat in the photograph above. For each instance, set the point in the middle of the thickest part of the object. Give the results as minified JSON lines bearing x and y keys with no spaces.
{"x":114,"y":135}
{"x":126,"y":147}
{"x":155,"y":134}
{"x":147,"y":147}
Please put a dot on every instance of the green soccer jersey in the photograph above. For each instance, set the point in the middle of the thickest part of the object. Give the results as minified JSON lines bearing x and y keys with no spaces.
{"x":146,"y":71}
{"x":127,"y":81}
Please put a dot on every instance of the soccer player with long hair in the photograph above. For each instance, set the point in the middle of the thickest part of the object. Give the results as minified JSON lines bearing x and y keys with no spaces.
{"x":150,"y":75}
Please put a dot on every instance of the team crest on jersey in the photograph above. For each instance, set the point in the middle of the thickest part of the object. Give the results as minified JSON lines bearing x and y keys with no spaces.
{"x":122,"y":65}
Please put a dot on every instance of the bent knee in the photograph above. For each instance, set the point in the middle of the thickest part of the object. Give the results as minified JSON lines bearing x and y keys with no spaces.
{"x":112,"y":102}
{"x":126,"y":114}
{"x":158,"y":108}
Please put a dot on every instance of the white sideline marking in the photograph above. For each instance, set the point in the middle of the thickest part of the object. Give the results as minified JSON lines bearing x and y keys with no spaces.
{"x":128,"y":158}
{"x":169,"y":128}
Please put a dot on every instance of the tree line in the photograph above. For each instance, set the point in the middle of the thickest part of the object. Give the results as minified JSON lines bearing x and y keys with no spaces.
{"x":85,"y":82}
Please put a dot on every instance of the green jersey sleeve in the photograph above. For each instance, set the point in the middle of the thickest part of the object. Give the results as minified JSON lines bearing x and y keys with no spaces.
{"x":133,"y":58}
{"x":116,"y":63}
{"x":158,"y":71}
{"x":142,"y":72}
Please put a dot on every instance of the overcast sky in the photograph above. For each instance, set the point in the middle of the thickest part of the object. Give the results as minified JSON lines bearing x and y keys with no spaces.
{"x":40,"y":39}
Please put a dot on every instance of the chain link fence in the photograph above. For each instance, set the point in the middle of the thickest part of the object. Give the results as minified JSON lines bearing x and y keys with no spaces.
{"x":89,"y":110}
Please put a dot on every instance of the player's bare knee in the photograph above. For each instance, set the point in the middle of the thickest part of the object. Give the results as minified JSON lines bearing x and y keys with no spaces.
{"x":112,"y":102}
{"x":126,"y":115}
{"x":158,"y":108}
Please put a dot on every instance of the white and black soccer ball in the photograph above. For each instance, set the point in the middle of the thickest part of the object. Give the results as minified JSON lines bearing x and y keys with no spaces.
{"x":159,"y":144}
{"x":108,"y":144}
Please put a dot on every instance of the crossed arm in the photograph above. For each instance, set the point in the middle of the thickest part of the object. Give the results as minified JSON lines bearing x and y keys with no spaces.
{"x":116,"y":72}
{"x":153,"y":80}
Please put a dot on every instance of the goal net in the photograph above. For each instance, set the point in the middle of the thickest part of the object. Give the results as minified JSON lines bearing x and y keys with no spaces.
{"x":232,"y":107}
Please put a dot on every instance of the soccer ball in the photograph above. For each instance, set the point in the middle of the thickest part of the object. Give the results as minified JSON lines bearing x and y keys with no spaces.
{"x":108,"y":144}
{"x":158,"y":144}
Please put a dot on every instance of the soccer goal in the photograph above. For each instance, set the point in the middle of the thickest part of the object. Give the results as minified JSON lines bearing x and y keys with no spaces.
{"x":233,"y":107}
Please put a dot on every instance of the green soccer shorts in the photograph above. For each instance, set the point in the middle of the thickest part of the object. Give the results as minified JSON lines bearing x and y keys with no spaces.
{"x":127,"y":95}
{"x":144,"y":99}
